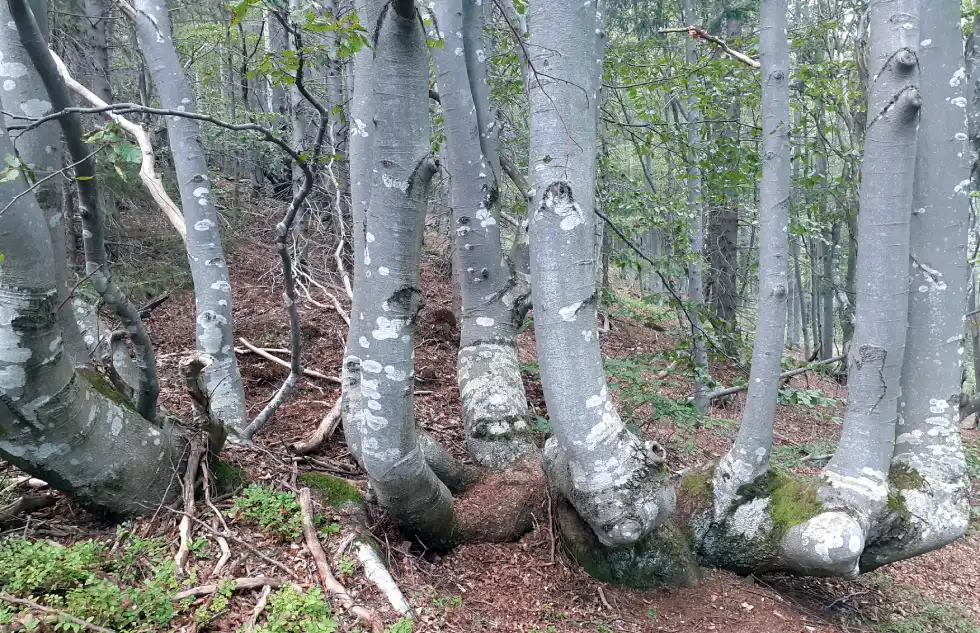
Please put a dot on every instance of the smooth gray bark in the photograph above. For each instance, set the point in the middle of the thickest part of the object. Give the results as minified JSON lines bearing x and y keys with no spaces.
{"x":63,"y":425}
{"x":695,"y":286}
{"x":605,"y":471}
{"x":361,"y":143}
{"x":209,"y":268}
{"x":94,"y":31}
{"x":748,"y":458}
{"x":495,"y":411}
{"x":40,"y":150}
{"x":389,"y":295}
{"x":801,"y":297}
{"x":927,"y":436}
{"x":275,"y":43}
{"x":855,"y":486}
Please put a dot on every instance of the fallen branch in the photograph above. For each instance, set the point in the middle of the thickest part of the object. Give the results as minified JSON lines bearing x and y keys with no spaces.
{"x":24,"y":602}
{"x":377,"y":573}
{"x":698,"y":32}
{"x":259,"y":607}
{"x":330,"y":584}
{"x":235,"y":584}
{"x":327,"y":427}
{"x":786,"y":374}
{"x":153,"y":304}
{"x":151,"y":180}
{"x":186,"y":527}
{"x":258,"y":351}
{"x":27,"y":503}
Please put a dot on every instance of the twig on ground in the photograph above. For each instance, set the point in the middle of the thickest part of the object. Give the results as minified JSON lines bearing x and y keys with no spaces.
{"x":24,"y":602}
{"x":186,"y":528}
{"x":235,"y":584}
{"x":333,"y":588}
{"x":306,"y":372}
{"x":259,"y":607}
{"x":27,"y":503}
{"x":786,"y":374}
{"x":241,"y":542}
{"x":153,"y":304}
{"x":326,"y":428}
{"x":377,"y":573}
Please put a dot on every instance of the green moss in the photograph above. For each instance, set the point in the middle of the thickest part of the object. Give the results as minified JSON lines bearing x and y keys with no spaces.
{"x":792,"y":503}
{"x":903,"y":477}
{"x":336,"y":492}
{"x":697,"y":486}
{"x":98,"y":382}
{"x":227,"y":477}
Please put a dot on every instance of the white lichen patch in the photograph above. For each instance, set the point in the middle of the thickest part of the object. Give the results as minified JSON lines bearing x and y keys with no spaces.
{"x":371,"y":366}
{"x":222,"y":286}
{"x":394,"y":183}
{"x":569,"y":312}
{"x":387,"y":328}
{"x":203,"y":225}
{"x":35,"y":107}
{"x":484,"y":216}
{"x":751,"y":519}
{"x":485,"y":321}
{"x":395,"y":375}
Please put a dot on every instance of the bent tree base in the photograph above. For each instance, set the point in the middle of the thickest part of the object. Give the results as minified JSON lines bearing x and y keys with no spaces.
{"x":774,"y":524}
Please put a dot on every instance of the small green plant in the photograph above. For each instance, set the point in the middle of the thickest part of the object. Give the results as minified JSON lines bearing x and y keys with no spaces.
{"x":294,"y":611}
{"x":921,"y":615}
{"x":276,"y":513}
{"x":346,"y":566}
{"x":403,"y":625}
{"x":811,"y":398}
{"x":652,"y":613}
{"x":446,"y":602}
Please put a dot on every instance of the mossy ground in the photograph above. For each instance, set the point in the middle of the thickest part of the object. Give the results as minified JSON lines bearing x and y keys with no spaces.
{"x":334,"y":490}
{"x":227,"y":477}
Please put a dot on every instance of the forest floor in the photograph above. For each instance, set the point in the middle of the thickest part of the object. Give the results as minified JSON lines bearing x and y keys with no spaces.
{"x":528,"y":586}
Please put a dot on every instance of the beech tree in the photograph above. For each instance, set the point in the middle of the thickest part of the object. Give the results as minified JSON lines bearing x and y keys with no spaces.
{"x":896,"y":486}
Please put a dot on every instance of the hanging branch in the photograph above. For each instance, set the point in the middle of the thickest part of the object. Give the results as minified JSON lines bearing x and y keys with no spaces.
{"x":151,"y":180}
{"x":701,"y":33}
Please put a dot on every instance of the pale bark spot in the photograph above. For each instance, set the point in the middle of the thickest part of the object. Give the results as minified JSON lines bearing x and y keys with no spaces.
{"x":9,"y":85}
{"x":395,"y":375}
{"x":203,"y":225}
{"x":958,"y":77}
{"x":383,"y":271}
{"x":485,"y":321}
{"x":394,"y":183}
{"x":223,"y":286}
{"x":372,"y":366}
{"x":35,"y":107}
{"x":387,"y":328}
{"x":364,"y":342}
{"x":959,"y":102}
{"x":569,"y":312}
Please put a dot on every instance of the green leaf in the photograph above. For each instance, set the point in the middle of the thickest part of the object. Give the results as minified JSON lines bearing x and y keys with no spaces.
{"x":129,"y":153}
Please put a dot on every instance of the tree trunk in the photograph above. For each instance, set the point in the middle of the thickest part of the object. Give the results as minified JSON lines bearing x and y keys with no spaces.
{"x":361,"y":143}
{"x":855,"y":485}
{"x":723,"y":241}
{"x":96,"y":67}
{"x":495,"y":412}
{"x":603,"y":469}
{"x":801,"y":298}
{"x":66,"y":426}
{"x":695,"y":287}
{"x":389,"y":297}
{"x":749,"y":457}
{"x":827,"y":296}
{"x":927,"y":435}
{"x":40,"y":150}
{"x":209,"y":269}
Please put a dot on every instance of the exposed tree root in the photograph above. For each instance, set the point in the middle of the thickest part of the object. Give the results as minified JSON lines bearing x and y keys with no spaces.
{"x":235,"y":584}
{"x":27,"y":503}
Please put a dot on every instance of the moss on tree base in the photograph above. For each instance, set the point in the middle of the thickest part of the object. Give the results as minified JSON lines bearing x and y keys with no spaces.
{"x":333,"y":491}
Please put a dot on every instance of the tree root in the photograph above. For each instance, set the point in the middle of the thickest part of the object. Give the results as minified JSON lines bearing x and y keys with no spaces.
{"x":27,"y":503}
{"x":331,"y":586}
{"x":61,"y":615}
{"x":236,"y":584}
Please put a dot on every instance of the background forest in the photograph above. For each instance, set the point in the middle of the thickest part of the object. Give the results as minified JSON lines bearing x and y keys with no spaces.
{"x":320,"y":355}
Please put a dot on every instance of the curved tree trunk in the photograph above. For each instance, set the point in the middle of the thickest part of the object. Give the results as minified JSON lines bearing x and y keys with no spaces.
{"x":40,"y":150}
{"x":66,"y":426}
{"x":855,"y":486}
{"x":607,"y":473}
{"x":389,"y":297}
{"x":749,"y":457}
{"x":495,"y":412}
{"x":205,"y":255}
{"x":928,"y":467}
